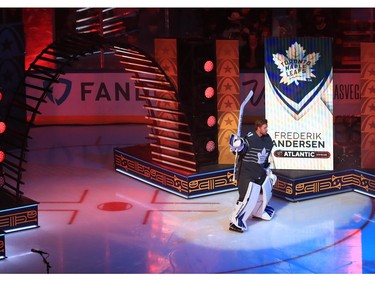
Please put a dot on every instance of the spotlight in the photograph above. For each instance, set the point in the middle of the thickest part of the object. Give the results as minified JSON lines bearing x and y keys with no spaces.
{"x":208,"y":66}
{"x":2,"y":127}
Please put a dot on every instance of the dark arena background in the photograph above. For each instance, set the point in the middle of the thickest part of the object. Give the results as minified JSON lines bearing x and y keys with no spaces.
{"x":107,"y":110}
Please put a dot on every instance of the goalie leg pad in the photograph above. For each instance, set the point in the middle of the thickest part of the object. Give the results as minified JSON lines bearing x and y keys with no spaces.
{"x":243,"y":209}
{"x":262,"y":210}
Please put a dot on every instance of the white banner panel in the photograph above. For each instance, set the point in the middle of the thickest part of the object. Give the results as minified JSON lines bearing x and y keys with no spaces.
{"x":111,"y":97}
{"x":299,"y":102}
{"x":91,"y":98}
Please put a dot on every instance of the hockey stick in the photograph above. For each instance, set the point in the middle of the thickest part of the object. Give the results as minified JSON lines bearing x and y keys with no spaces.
{"x":242,"y":107}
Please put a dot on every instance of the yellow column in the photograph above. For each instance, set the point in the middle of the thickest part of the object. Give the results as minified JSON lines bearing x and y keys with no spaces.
{"x":228,"y":90}
{"x":367,"y":84}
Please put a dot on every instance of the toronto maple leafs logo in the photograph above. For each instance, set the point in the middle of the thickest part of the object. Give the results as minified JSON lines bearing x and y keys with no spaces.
{"x":296,"y":66}
{"x":299,"y":72}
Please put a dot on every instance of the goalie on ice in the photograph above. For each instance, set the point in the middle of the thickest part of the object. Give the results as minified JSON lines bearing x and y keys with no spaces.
{"x":255,"y":178}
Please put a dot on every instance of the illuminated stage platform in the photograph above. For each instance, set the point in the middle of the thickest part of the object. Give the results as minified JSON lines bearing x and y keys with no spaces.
{"x":297,"y":185}
{"x":17,"y":214}
{"x":292,"y":185}
{"x":2,"y":245}
{"x":135,"y":162}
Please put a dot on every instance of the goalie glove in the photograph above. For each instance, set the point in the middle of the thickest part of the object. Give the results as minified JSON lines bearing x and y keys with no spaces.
{"x":236,"y":143}
{"x":271,"y":176}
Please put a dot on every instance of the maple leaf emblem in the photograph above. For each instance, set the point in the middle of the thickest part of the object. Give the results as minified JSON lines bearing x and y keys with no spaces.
{"x":295,"y":66}
{"x":262,"y":156}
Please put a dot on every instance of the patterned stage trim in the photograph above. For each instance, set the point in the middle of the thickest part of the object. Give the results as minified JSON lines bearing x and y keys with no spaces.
{"x":134,"y":162}
{"x":292,"y":185}
{"x":2,"y":245}
{"x":295,"y":185}
{"x":17,"y":214}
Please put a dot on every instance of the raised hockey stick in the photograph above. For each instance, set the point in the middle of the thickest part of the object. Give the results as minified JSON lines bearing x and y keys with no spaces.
{"x":242,"y":108}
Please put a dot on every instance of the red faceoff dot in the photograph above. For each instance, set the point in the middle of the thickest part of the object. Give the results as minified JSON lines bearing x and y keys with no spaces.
{"x":115,"y":206}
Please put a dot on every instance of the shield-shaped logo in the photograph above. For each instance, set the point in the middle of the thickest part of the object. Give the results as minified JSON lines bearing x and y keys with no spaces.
{"x":298,"y":71}
{"x":57,"y":98}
